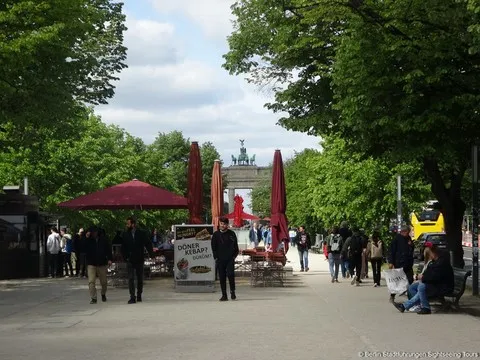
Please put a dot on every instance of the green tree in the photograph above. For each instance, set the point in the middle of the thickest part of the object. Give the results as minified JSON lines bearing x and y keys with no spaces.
{"x":260,"y":196}
{"x":92,"y":157}
{"x":394,"y":79}
{"x":361,"y":191}
{"x":167,"y":162}
{"x":209,"y":154}
{"x":301,"y":209}
{"x":55,"y":55}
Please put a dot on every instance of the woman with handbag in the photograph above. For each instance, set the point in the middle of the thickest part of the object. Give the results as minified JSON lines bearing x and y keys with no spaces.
{"x":375,"y":253}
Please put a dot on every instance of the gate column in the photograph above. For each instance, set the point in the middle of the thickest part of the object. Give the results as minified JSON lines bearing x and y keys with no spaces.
{"x":231,"y":197}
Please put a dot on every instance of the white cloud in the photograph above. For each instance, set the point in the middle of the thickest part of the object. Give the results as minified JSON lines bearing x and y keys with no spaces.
{"x":150,"y":42}
{"x":213,"y":16}
{"x":187,"y":84}
{"x":166,"y":88}
{"x":223,"y":124}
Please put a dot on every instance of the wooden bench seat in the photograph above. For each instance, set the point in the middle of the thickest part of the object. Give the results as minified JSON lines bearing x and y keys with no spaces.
{"x":451,"y":301}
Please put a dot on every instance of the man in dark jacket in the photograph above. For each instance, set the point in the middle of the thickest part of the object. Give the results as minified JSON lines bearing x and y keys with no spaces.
{"x":225,"y":250}
{"x":352,"y":250}
{"x":134,"y":243}
{"x":345,"y":233}
{"x":98,"y":256}
{"x":436,"y":280}
{"x":303,"y":245}
{"x":401,"y":254}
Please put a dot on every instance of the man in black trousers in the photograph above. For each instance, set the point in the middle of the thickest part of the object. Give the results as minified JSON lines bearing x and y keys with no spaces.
{"x":401,"y":254}
{"x":134,"y":243}
{"x":225,"y":250}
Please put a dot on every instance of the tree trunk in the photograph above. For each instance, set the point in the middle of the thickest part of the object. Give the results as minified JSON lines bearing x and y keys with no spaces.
{"x":452,"y":206}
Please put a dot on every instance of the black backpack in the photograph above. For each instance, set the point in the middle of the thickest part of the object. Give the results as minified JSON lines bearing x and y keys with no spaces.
{"x":355,"y":248}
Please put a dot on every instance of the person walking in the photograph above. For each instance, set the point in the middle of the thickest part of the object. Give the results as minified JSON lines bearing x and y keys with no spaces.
{"x":98,"y":255}
{"x":334,"y":247}
{"x":53,"y":249}
{"x":254,"y":235}
{"x":401,"y":254}
{"x":345,"y":233}
{"x":67,"y":248}
{"x":375,"y":252}
{"x":352,"y":250}
{"x":134,"y":243}
{"x":303,"y":245}
{"x":81,"y":251}
{"x":225,"y":250}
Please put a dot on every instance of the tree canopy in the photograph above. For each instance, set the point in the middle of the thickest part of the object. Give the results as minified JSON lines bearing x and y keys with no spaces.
{"x":94,"y":156}
{"x":393,"y":79}
{"x":55,"y":55}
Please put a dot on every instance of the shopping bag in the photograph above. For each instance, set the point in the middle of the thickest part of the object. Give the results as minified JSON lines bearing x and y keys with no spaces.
{"x":397,"y":281}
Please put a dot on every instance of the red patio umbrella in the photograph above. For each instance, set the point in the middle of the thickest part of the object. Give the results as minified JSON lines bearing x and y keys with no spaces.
{"x":133,"y":194}
{"x":278,"y":205}
{"x":195,"y":185}
{"x":216,"y":193}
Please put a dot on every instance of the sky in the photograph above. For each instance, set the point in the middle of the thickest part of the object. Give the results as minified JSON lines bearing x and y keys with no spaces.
{"x":175,"y":82}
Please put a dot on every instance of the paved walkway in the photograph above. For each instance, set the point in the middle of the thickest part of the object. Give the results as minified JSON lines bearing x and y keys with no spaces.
{"x":312,"y":319}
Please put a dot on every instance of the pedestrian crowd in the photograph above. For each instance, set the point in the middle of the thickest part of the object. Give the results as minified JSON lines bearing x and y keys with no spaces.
{"x":89,"y":253}
{"x":349,"y":251}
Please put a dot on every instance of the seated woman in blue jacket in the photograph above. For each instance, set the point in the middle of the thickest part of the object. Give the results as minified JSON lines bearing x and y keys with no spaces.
{"x":436,"y":280}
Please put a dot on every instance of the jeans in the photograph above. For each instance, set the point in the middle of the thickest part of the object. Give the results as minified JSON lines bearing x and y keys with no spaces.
{"x":345,"y":267}
{"x":355,"y":266}
{"x":418,"y":293}
{"x":52,"y":264}
{"x":82,"y":264}
{"x":303,"y":254}
{"x":334,"y":262}
{"x":132,"y":270}
{"x":67,"y":261}
{"x":60,"y":260}
{"x":226,"y":270}
{"x":93,"y":273}
{"x":376,"y":269}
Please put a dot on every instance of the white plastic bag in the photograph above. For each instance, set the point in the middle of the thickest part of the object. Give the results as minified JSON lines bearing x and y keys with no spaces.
{"x":397,"y":281}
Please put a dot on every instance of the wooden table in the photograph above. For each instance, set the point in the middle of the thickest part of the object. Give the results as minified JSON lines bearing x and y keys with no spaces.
{"x":266,"y":268}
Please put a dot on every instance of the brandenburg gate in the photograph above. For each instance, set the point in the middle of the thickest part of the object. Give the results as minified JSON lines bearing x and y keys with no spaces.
{"x":243,"y":173}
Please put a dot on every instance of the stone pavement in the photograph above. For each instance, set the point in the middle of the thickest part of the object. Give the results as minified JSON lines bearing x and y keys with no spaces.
{"x":310,"y":319}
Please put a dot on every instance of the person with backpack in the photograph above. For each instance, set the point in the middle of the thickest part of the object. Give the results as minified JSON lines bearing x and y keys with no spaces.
{"x":352,"y":250}
{"x":334,"y":247}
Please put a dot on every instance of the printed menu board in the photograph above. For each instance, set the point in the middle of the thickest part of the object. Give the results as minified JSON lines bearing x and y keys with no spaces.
{"x":193,"y":255}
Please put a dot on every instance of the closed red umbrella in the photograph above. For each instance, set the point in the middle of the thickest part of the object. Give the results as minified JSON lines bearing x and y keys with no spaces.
{"x":237,"y":211}
{"x":195,"y":185}
{"x":278,"y":205}
{"x":133,"y":194}
{"x":216,"y":193}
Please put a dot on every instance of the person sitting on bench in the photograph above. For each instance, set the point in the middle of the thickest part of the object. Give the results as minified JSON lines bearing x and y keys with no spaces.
{"x":437,"y":280}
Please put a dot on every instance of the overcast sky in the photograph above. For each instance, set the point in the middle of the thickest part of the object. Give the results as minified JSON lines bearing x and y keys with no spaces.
{"x":175,"y":82}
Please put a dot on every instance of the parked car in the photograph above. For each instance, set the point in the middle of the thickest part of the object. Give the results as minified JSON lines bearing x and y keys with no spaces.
{"x":439,"y":239}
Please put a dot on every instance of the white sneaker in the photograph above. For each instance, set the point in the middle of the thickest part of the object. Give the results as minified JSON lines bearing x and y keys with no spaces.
{"x":354,"y":278}
{"x":414,"y":308}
